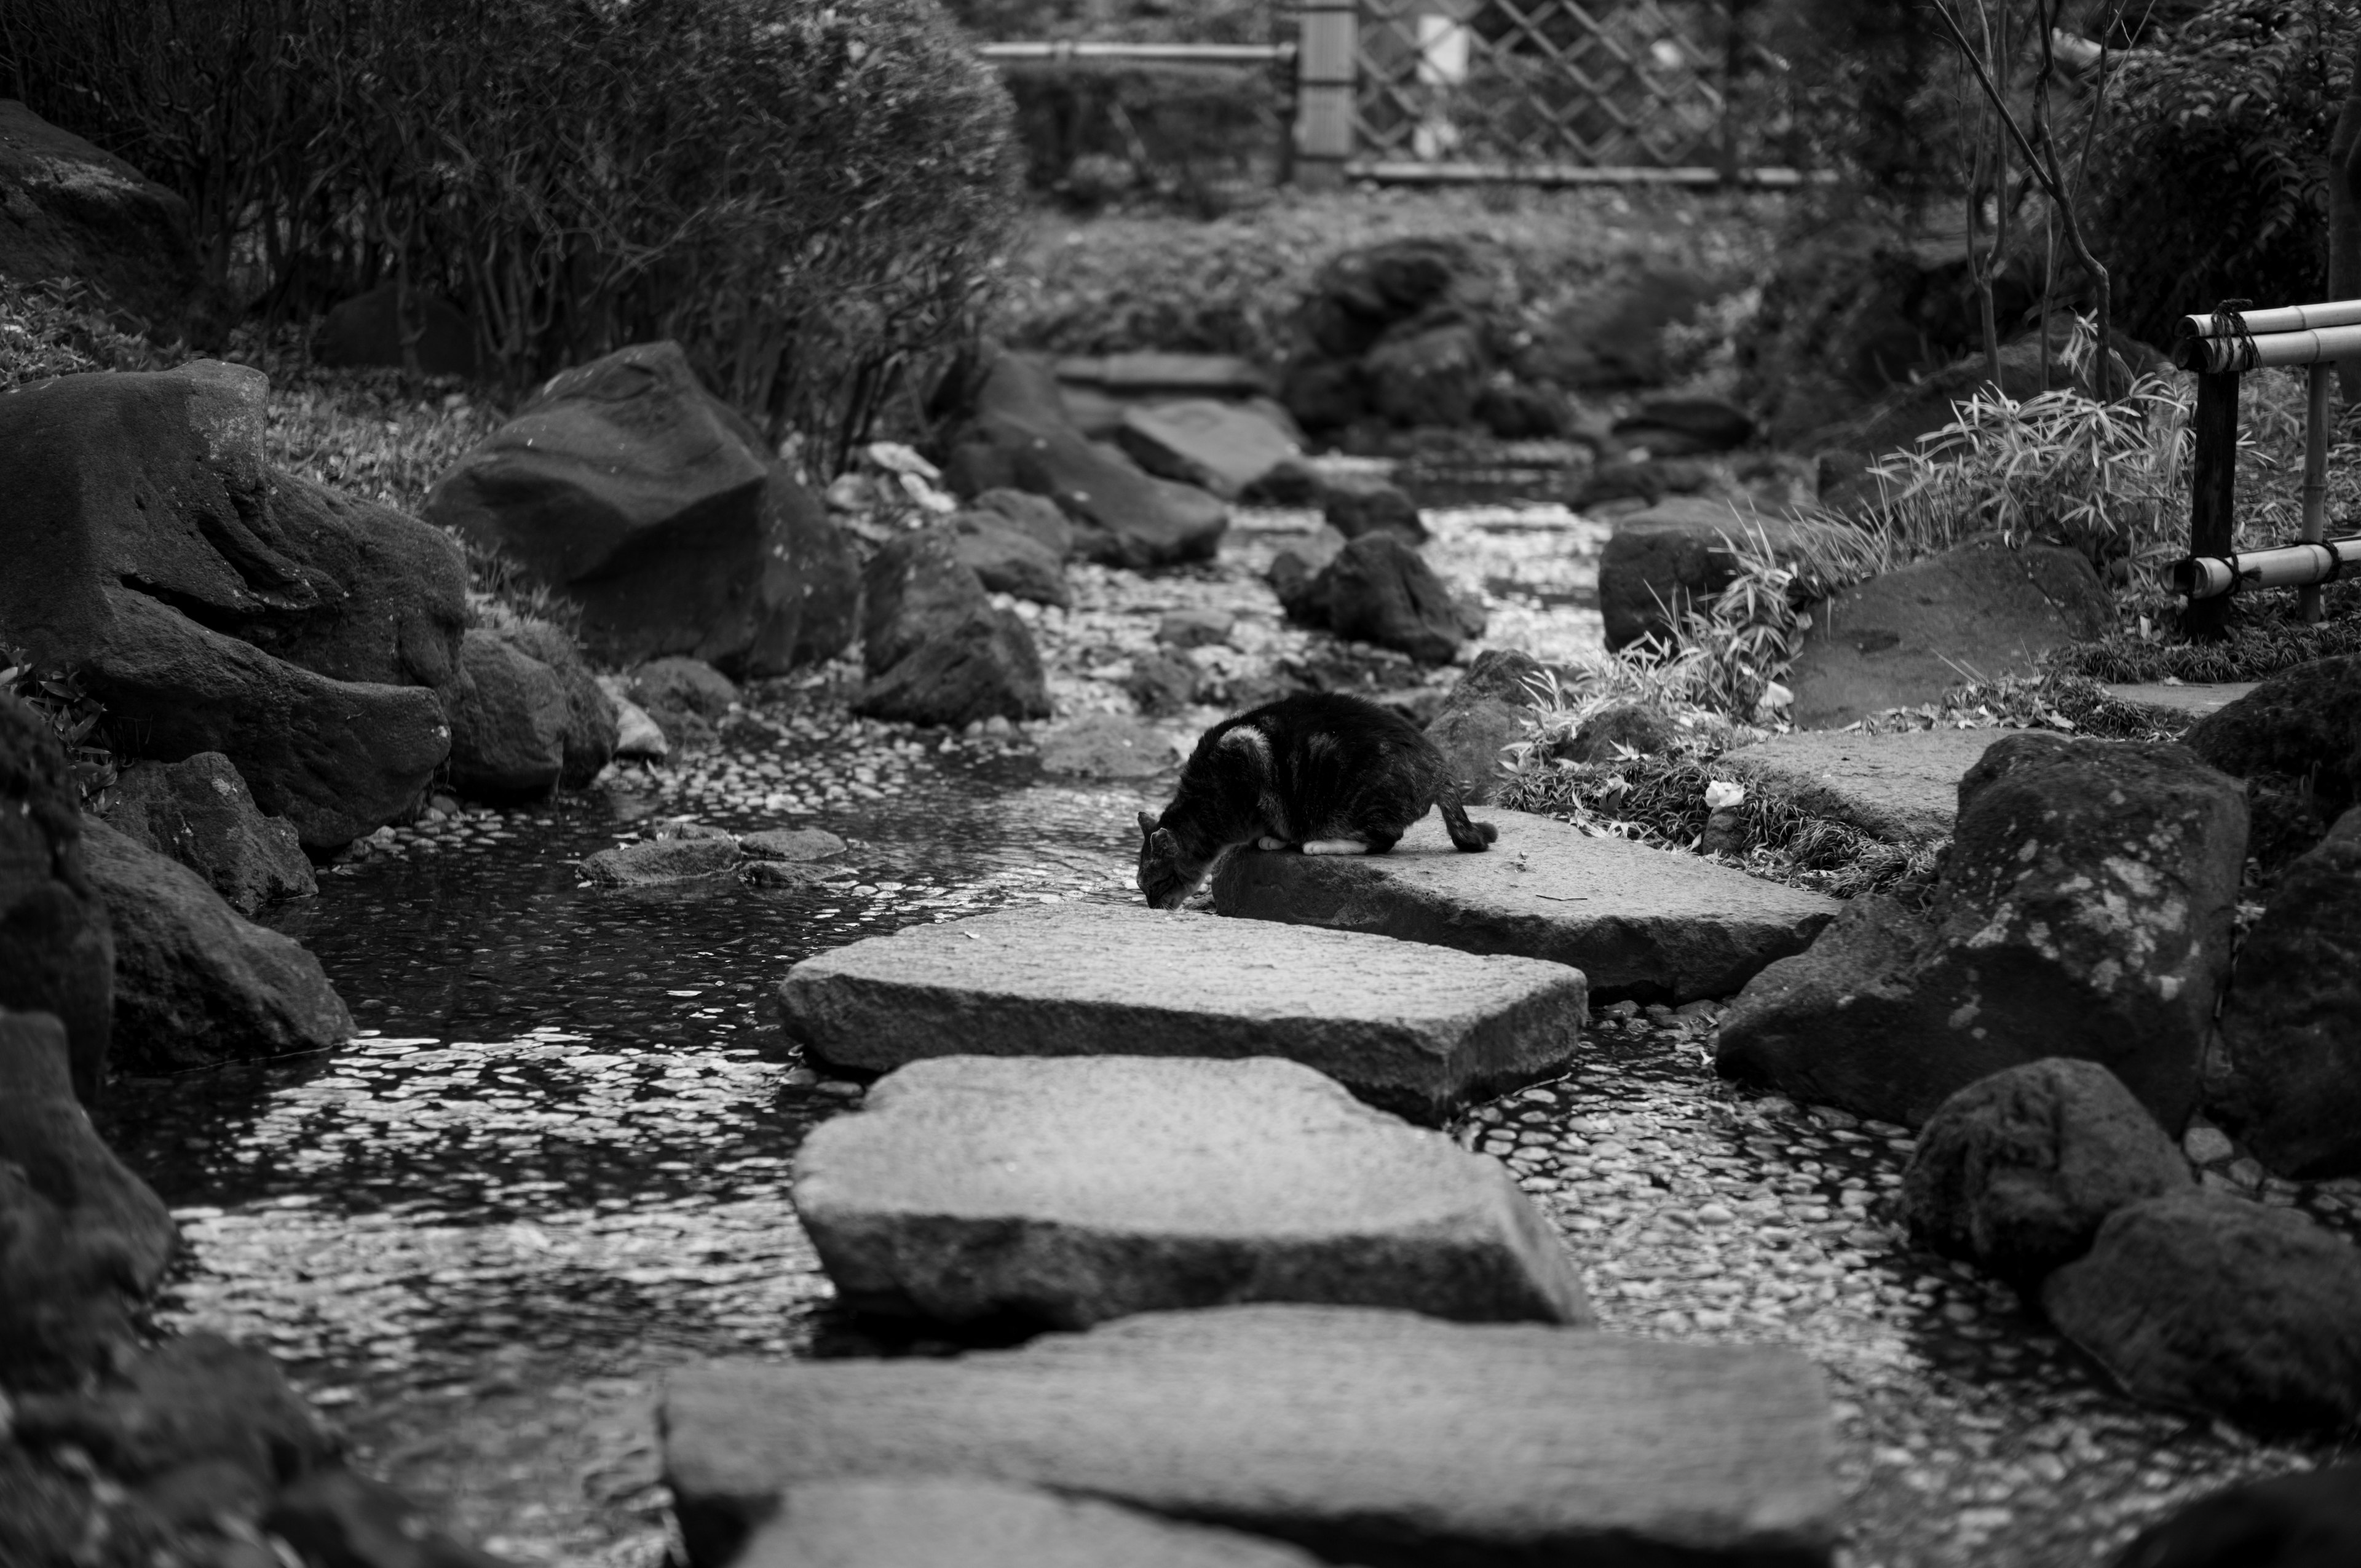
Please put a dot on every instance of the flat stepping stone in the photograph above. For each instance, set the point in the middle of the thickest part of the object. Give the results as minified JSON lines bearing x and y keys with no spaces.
{"x":1901,"y":788}
{"x":2196,"y":701}
{"x":953,"y":1522}
{"x":1068,"y":1190}
{"x":1412,"y":1028}
{"x":1640,"y":922}
{"x":1364,"y":1436}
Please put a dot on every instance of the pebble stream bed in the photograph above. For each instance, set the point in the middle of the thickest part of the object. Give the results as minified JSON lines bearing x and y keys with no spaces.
{"x":555,"y":1162}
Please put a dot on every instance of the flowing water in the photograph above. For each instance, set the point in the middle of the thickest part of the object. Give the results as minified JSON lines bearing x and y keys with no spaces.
{"x":555,"y":1163}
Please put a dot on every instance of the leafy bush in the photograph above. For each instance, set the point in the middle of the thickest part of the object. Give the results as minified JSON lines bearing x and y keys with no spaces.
{"x":53,"y":328}
{"x":806,"y":196}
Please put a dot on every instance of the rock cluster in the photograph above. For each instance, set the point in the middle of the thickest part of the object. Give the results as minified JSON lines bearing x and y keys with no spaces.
{"x":936,"y":650}
{"x":1378,"y":589}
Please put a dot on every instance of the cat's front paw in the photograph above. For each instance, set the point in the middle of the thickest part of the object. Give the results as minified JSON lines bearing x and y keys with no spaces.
{"x":1267,"y":842}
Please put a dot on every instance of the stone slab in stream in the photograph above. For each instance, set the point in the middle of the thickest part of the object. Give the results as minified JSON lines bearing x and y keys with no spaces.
{"x":1640,"y":922}
{"x":1901,"y":787}
{"x":1068,"y":1190}
{"x":1365,"y":1436}
{"x":2196,"y":701}
{"x":1413,"y":1028}
{"x":923,"y":1522}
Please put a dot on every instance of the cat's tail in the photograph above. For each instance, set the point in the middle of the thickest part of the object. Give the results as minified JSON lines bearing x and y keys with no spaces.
{"x":1465,"y":834}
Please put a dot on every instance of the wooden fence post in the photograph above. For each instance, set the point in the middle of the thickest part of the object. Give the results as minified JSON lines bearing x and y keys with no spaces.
{"x":2317,"y":413}
{"x":2212,"y":487}
{"x":1326,"y":54}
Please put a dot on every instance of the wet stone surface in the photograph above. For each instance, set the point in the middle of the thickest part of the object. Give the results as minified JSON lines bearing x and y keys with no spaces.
{"x":557,"y":1164}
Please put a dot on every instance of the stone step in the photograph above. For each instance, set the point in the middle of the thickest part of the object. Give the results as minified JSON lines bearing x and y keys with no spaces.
{"x":953,"y":1522}
{"x":1901,"y":787}
{"x":2196,"y":701}
{"x":1063,"y":1192}
{"x":1364,"y":1436}
{"x":1652,"y":923}
{"x":1415,"y":1029}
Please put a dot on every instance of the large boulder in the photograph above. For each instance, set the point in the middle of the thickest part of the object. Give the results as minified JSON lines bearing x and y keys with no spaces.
{"x":1379,"y":590}
{"x":1485,"y":712}
{"x":2016,"y":1172}
{"x":200,"y":813}
{"x":593,"y":725}
{"x":1355,"y":504}
{"x":1016,"y":436}
{"x":630,"y":489}
{"x":367,"y":329}
{"x":935,"y":649}
{"x":83,"y":1241}
{"x":2309,"y":1520}
{"x":196,"y":983}
{"x":1612,"y":335}
{"x":2209,"y":1302}
{"x":1407,"y":330}
{"x":2084,"y":911}
{"x":1661,"y":564}
{"x":1217,"y":447}
{"x":1007,"y":559}
{"x":213,"y":604}
{"x":2287,"y":1082}
{"x":509,"y":715}
{"x":57,"y":950}
{"x":2296,"y":740}
{"x":1978,"y":609}
{"x":68,"y":210}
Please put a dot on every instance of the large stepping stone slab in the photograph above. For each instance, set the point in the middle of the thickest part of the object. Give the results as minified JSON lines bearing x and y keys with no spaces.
{"x":1068,"y":1190}
{"x":1640,"y":922}
{"x":1903,"y":788}
{"x":2195,"y":701}
{"x":1412,"y":1028}
{"x":1365,"y":1436}
{"x":952,"y":1522}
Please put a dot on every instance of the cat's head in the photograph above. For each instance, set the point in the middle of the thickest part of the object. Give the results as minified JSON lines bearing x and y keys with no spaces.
{"x":1167,"y":873}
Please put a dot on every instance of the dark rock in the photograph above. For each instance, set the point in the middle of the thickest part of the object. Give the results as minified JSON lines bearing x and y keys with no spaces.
{"x":2084,"y":911}
{"x":791,"y":844}
{"x":2016,"y":1172}
{"x":83,"y":1241}
{"x":213,"y":604}
{"x":1195,"y":627}
{"x":509,"y":715}
{"x":1617,"y":728}
{"x":1900,"y":787}
{"x":1514,"y":410}
{"x":1904,"y":638}
{"x":593,"y":725}
{"x":57,"y":950}
{"x":1007,"y":560}
{"x":689,"y":686}
{"x":1155,"y":373}
{"x":1036,"y":517}
{"x":68,"y":210}
{"x":1472,"y":735}
{"x":1430,"y":377}
{"x":2297,"y":734}
{"x":338,"y":1519}
{"x":1378,"y":590}
{"x":1161,"y":684}
{"x":2207,"y":1302}
{"x":1106,"y":746}
{"x":2311,"y":1520}
{"x":936,"y":650}
{"x":1361,"y":295}
{"x":1407,"y":331}
{"x":2286,"y":1082}
{"x":1358,"y":504}
{"x":195,"y":983}
{"x":1504,"y":674}
{"x":1019,"y":437}
{"x":1663,"y":563}
{"x":1296,"y":568}
{"x":199,"y":812}
{"x":1685,"y":427}
{"x":1324,"y":394}
{"x":629,"y":488}
{"x":196,"y":1399}
{"x":1649,"y":479}
{"x":660,"y":861}
{"x":1217,"y":447}
{"x":1613,"y":338}
{"x":367,"y":330}
{"x":1293,"y":483}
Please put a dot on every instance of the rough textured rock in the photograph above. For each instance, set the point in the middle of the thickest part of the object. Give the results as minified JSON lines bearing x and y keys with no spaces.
{"x":199,"y":812}
{"x":593,"y":724}
{"x":68,"y":210}
{"x":1106,"y":746}
{"x":509,"y":715}
{"x":790,"y":844}
{"x":1515,"y":411}
{"x":956,"y":1522}
{"x":2286,"y":1082}
{"x":2297,"y":733}
{"x":195,"y":983}
{"x":1472,"y":735}
{"x":1619,"y":729}
{"x":686,"y":699}
{"x":213,"y":604}
{"x":2209,"y":1302}
{"x":936,"y":650}
{"x":1039,"y":518}
{"x":1639,"y":922}
{"x":1007,"y":560}
{"x":1355,"y":504}
{"x":1378,"y":590}
{"x":1195,"y":627}
{"x":1066,"y":1191}
{"x":1409,"y":1027}
{"x":1660,"y":563}
{"x":656,"y":861}
{"x":83,"y":1241}
{"x":2084,"y":911}
{"x":2310,"y":1520}
{"x":1428,"y":374}
{"x":2016,"y":1172}
{"x":1218,"y":447}
{"x":1612,"y":335}
{"x":57,"y":950}
{"x":1362,"y":1435}
{"x":2195,"y":701}
{"x":1018,"y":436}
{"x":626,"y":485}
{"x":1685,"y":427}
{"x":194,"y":1399}
{"x":1406,"y":330}
{"x":1901,"y":788}
{"x":333,"y":1516}
{"x":1651,"y":480}
{"x":1978,"y":610}
{"x":367,"y":329}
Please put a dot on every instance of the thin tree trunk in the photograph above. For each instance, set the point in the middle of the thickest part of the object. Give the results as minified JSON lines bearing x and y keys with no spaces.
{"x":2344,"y":212}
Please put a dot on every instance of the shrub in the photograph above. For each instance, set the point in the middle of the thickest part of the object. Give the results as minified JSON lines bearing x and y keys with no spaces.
{"x":809,"y":197}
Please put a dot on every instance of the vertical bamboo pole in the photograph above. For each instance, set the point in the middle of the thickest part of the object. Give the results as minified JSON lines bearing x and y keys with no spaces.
{"x":1325,"y":57}
{"x":2315,"y":479}
{"x":2212,"y":486}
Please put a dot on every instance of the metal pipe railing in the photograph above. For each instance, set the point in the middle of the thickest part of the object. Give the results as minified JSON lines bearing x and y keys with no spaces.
{"x":2282,"y":567}
{"x":1066,"y":50}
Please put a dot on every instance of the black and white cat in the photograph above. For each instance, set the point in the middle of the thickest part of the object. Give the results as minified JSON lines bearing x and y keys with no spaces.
{"x":1323,"y":772}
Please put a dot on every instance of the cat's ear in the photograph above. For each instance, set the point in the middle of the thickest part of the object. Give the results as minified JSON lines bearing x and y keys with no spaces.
{"x":1147,"y":825}
{"x":1162,"y":842}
